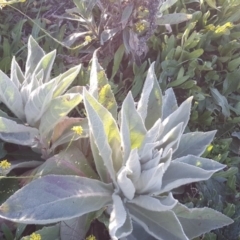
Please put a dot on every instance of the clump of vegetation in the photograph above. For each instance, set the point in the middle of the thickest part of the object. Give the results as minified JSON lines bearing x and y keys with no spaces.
{"x":195,"y":47}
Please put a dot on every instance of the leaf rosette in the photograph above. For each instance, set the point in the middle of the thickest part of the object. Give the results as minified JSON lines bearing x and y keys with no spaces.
{"x":141,"y":157}
{"x":40,"y":104}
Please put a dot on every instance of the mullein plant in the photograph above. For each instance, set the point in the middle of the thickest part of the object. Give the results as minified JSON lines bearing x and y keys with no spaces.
{"x":141,"y":155}
{"x":39,"y":103}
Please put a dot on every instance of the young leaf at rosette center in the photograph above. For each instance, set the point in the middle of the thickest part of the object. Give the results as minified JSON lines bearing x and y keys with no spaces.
{"x":12,"y":132}
{"x":198,"y":221}
{"x":158,"y":203}
{"x":35,"y":54}
{"x":161,"y":225}
{"x":58,"y":108}
{"x":39,"y":101}
{"x":105,"y":133}
{"x":10,"y":96}
{"x":181,"y":114}
{"x":45,"y":65}
{"x":150,"y":104}
{"x":56,"y":198}
{"x":132,"y":128}
{"x":65,"y":80}
{"x":193,"y":143}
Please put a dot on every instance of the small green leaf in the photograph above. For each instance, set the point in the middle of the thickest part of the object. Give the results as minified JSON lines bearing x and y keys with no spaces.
{"x":174,"y":18}
{"x":117,"y":60}
{"x":47,"y":233}
{"x":234,"y":64}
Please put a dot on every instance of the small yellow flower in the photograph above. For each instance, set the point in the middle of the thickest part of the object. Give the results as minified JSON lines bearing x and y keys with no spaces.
{"x":91,"y":237}
{"x":140,"y":27}
{"x":77,"y":129}
{"x":88,"y":39}
{"x":4,"y":164}
{"x":35,"y":236}
{"x":143,"y":9}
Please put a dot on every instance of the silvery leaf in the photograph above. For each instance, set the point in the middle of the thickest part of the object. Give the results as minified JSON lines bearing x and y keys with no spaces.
{"x":58,"y":108}
{"x":147,"y":152}
{"x":117,"y":217}
{"x":132,"y":127}
{"x":98,"y":161}
{"x":169,"y":103}
{"x":79,"y":195}
{"x":12,"y":132}
{"x":125,"y":184}
{"x":187,"y":170}
{"x":152,"y":162}
{"x":45,"y":64}
{"x":158,"y":204}
{"x":126,"y":228}
{"x":171,"y":139}
{"x":150,"y":103}
{"x":182,"y":114}
{"x":17,"y":76}
{"x":97,"y":76}
{"x":35,"y":54}
{"x":150,"y":180}
{"x":73,"y":229}
{"x":10,"y":96}
{"x":133,"y":166}
{"x":106,"y":134}
{"x":38,"y":101}
{"x":193,"y":143}
{"x":198,"y":221}
{"x":157,"y":223}
{"x":100,"y":88}
{"x":65,"y":80}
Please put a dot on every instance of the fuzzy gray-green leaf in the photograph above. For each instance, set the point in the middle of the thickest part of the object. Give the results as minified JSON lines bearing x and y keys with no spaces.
{"x":193,"y":143}
{"x":198,"y":221}
{"x":158,"y":224}
{"x":56,"y":198}
{"x":10,"y":96}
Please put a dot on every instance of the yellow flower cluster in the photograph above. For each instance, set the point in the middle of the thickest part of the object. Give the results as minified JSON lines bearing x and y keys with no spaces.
{"x":88,"y":39}
{"x":4,"y":164}
{"x":91,"y":237}
{"x":35,"y":236}
{"x":140,"y":27}
{"x":77,"y":129}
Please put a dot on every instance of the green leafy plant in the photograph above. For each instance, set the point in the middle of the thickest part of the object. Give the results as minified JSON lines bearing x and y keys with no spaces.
{"x":103,"y":23}
{"x":140,"y":165}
